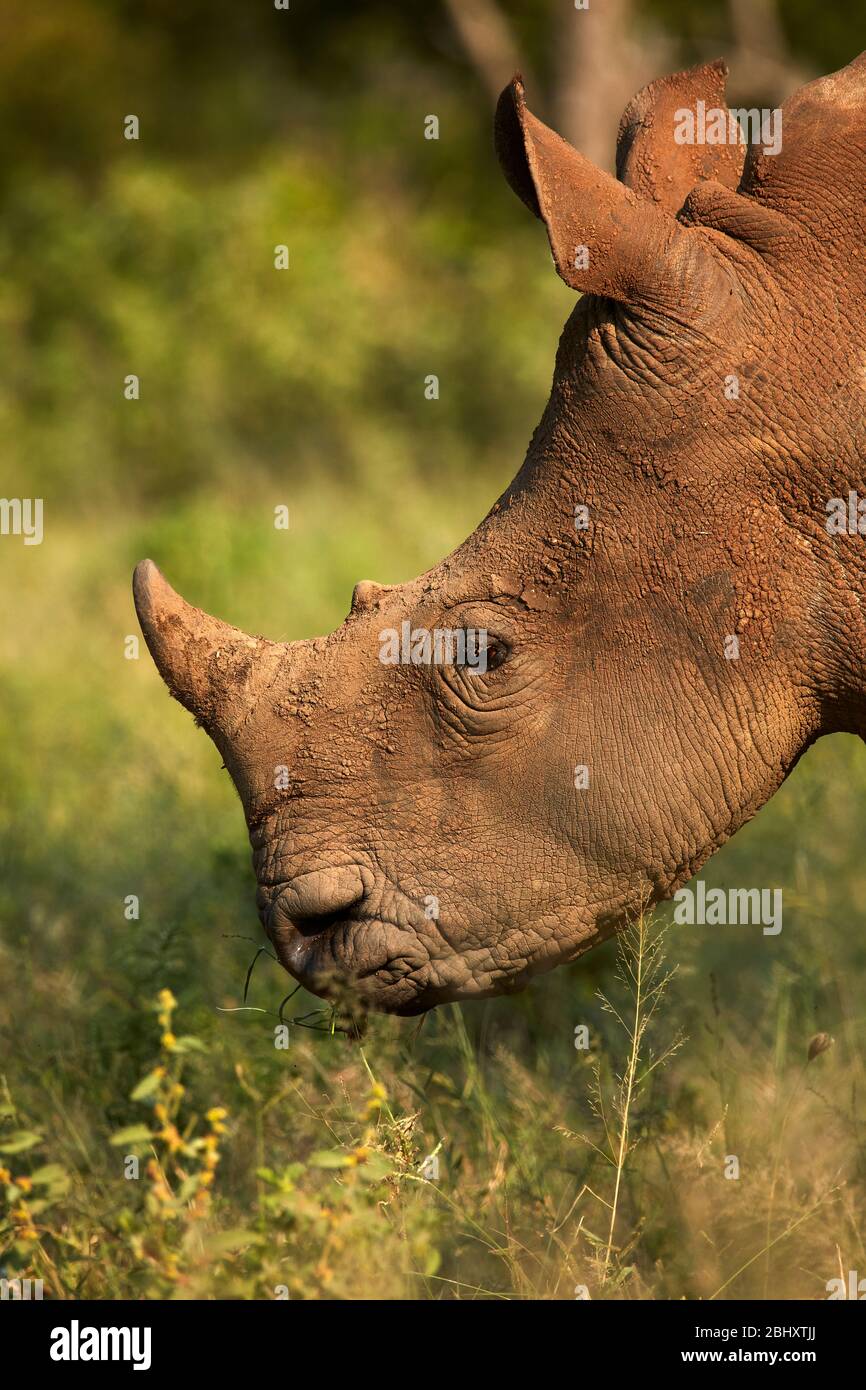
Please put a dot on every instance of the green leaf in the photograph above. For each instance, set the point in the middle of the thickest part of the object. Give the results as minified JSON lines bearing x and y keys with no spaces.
{"x":330,"y":1158}
{"x":19,"y":1140}
{"x":440,"y":1079}
{"x":147,"y":1086}
{"x":133,"y":1134}
{"x":189,"y":1043}
{"x":432,"y":1261}
{"x":188,"y":1188}
{"x":375,"y":1168}
{"x":50,"y":1173}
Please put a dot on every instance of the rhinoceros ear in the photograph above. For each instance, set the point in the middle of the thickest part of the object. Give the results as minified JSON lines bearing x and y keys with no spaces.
{"x":605,"y":239}
{"x":816,"y":176}
{"x":652,"y":161}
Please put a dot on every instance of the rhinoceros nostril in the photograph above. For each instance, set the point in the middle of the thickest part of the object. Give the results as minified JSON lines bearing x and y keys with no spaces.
{"x":314,"y":901}
{"x":314,"y":925}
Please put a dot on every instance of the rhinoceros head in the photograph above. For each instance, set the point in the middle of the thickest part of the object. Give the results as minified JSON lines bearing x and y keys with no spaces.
{"x":484,"y":771}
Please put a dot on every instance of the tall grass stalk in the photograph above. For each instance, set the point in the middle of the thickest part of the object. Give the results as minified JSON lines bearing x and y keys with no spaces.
{"x":641,"y":970}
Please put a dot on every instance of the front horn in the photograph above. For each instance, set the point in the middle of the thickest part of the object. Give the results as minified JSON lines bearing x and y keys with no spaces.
{"x":216,"y":671}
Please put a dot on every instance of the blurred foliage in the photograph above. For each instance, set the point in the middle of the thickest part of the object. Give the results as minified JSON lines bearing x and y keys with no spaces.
{"x":305,"y":387}
{"x":156,"y":257}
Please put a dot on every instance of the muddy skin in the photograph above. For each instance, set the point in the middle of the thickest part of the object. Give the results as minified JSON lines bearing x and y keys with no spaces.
{"x":429,"y":841}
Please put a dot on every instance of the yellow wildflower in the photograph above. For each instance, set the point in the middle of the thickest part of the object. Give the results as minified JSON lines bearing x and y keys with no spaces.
{"x":169,"y":1135}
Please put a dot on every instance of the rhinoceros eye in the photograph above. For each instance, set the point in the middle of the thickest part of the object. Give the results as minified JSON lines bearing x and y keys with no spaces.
{"x":482,"y":651}
{"x":497,"y":653}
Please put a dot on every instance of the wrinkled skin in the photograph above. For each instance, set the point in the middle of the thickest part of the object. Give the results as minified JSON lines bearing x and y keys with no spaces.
{"x":707,"y":521}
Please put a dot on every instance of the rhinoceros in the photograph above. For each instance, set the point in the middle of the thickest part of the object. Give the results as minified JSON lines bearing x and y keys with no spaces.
{"x":670,"y":592}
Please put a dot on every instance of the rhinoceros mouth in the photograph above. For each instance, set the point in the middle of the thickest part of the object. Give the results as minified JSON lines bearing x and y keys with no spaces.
{"x":372,"y":956}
